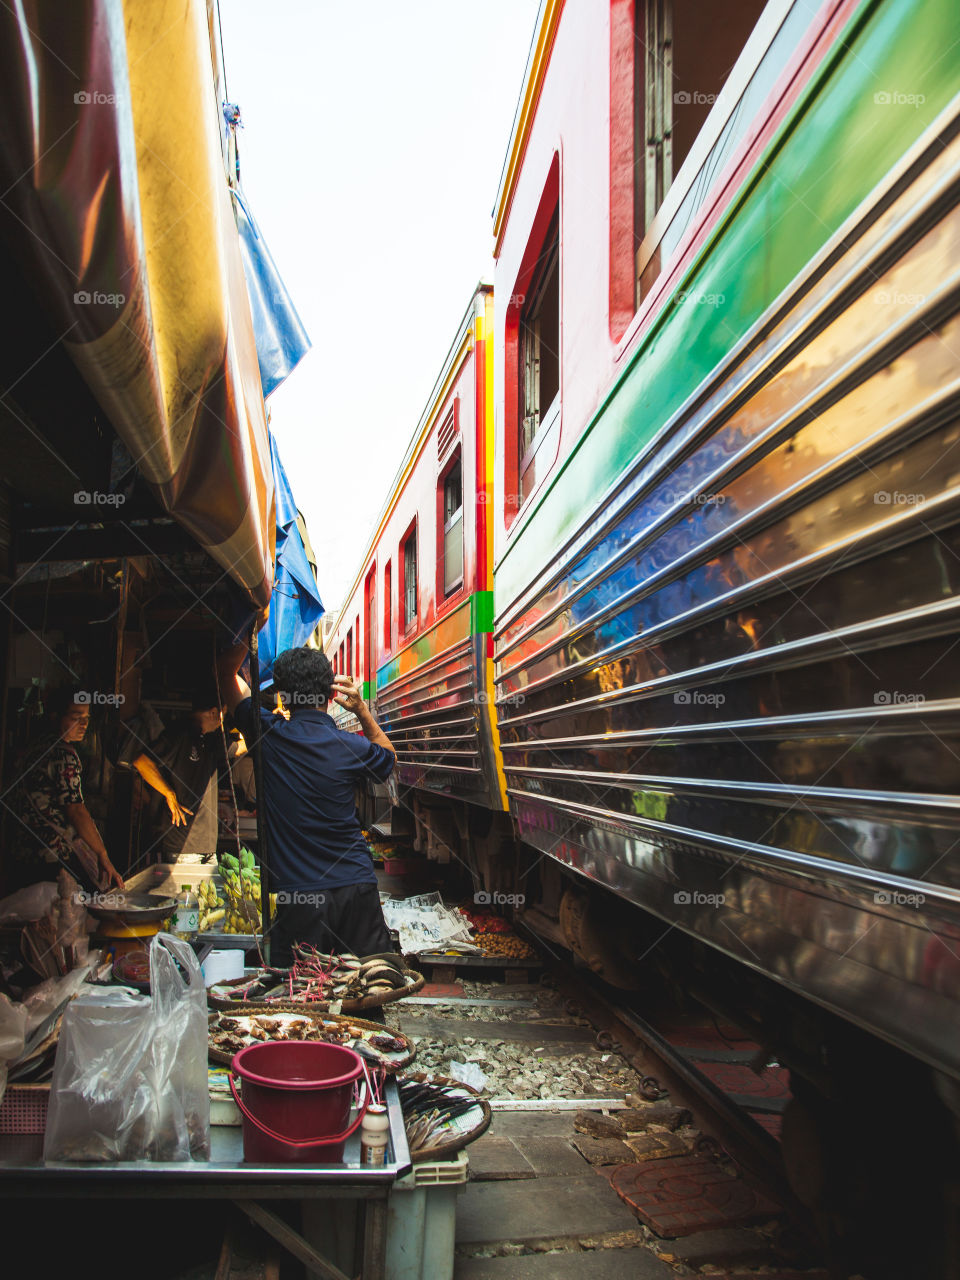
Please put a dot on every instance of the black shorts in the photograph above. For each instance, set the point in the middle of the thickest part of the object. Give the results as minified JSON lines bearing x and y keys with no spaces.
{"x":350,"y":919}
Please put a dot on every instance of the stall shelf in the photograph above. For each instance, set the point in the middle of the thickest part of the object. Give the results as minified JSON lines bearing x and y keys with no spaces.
{"x":225,"y":1176}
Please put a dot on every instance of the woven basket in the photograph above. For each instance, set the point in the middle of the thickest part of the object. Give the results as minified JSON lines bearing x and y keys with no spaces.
{"x":226,"y":1059}
{"x":414,"y":983}
{"x":444,"y":1150}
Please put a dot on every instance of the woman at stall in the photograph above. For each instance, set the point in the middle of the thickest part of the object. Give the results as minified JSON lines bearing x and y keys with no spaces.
{"x":49,"y":826}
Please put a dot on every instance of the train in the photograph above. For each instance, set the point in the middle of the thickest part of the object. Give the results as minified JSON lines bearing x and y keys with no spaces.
{"x":684,"y":666}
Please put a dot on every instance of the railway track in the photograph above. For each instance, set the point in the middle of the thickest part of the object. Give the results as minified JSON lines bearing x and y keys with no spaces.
{"x":541,"y":1147}
{"x":670,"y":1065}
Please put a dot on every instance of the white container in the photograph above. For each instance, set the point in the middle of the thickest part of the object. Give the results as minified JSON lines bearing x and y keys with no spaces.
{"x":374,"y":1136}
{"x":222,"y":966}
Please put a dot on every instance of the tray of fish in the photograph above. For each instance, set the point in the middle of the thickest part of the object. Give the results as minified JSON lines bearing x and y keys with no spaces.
{"x":440,"y":1115}
{"x":321,"y":982}
{"x":229,"y":1033}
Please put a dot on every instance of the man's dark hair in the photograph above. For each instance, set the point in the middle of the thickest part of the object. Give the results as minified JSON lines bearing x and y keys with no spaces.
{"x":304,"y":678}
{"x":204,"y":699}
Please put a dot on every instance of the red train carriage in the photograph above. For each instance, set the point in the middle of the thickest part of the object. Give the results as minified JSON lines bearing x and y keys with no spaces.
{"x":416,"y":624}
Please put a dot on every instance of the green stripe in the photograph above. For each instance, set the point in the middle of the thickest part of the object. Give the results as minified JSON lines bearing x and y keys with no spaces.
{"x":365,"y":694}
{"x":828,"y":155}
{"x":477,"y":614}
{"x":481,"y":612}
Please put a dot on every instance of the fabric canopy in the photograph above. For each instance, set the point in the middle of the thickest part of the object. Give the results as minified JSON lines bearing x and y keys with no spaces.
{"x":112,"y":167}
{"x":282,"y":341}
{"x":296,"y":607}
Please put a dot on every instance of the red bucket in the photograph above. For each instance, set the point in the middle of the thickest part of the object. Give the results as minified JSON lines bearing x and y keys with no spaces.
{"x":296,"y":1100}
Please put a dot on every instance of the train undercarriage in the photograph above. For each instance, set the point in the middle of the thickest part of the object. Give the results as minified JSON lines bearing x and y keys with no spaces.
{"x":870,"y":1138}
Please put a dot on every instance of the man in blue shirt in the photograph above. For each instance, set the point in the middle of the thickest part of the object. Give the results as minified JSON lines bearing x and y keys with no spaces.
{"x":320,"y":865}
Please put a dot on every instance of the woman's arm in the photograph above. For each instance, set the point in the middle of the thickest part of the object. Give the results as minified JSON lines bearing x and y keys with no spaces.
{"x":152,"y":776}
{"x":86,"y":828}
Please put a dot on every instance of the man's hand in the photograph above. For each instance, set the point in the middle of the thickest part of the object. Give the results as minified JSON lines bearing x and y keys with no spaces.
{"x":348,"y":694}
{"x":178,"y":812}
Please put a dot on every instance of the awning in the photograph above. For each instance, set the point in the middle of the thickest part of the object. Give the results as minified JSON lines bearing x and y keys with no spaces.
{"x":111,"y":165}
{"x":282,"y":341}
{"x":296,"y":607}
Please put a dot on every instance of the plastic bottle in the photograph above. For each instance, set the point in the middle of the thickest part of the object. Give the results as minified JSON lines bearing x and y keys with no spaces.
{"x":187,"y":918}
{"x":374,"y":1136}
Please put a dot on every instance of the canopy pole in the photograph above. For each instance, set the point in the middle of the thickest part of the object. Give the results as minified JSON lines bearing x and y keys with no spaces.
{"x":254,"y":746}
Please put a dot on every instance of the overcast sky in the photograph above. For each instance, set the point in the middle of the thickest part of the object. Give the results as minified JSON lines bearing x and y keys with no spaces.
{"x":373,"y":140}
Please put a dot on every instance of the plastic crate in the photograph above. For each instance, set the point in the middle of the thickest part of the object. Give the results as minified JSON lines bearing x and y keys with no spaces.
{"x":24,"y":1108}
{"x":422,"y":1219}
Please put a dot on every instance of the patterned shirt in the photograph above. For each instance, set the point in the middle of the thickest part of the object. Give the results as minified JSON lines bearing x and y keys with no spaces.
{"x":49,"y":782}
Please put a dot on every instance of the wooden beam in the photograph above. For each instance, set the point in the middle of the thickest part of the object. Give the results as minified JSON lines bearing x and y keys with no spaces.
{"x":291,"y":1240}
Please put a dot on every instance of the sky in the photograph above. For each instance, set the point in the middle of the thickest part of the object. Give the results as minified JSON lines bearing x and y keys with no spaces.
{"x":372,"y":144}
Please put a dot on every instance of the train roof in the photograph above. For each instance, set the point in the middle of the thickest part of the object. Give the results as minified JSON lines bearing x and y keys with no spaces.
{"x":421,"y":431}
{"x":539,"y":55}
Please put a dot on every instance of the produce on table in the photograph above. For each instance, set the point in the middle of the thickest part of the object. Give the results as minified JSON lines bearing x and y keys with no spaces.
{"x":485,"y":921}
{"x":508,"y":945}
{"x":318,"y":977}
{"x":242,"y":895}
{"x":430,"y":1109}
{"x":230,"y":1033}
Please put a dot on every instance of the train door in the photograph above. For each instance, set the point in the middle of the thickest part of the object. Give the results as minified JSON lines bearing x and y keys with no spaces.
{"x":370,"y":636}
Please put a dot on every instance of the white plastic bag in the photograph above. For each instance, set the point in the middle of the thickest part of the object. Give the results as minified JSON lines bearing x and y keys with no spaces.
{"x":130,"y":1076}
{"x":29,"y":904}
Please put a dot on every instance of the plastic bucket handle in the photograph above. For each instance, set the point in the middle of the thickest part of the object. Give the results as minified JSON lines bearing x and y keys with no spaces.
{"x":327,"y":1138}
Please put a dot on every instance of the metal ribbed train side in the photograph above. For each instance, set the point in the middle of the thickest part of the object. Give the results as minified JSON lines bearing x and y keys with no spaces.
{"x":437,"y":717}
{"x":739,"y":700}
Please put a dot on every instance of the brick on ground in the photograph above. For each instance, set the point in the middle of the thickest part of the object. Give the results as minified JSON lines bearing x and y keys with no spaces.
{"x":723,"y":1247}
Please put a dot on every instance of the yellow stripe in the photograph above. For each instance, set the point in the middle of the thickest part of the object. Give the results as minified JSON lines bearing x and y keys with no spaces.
{"x":531,"y":91}
{"x":485,"y":326}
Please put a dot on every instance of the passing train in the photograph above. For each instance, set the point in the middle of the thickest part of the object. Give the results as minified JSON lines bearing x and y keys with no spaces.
{"x":662,"y":609}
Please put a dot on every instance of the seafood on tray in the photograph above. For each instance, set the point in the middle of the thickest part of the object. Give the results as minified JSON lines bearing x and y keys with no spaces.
{"x":317,"y":977}
{"x":230,"y":1033}
{"x":437,"y":1112}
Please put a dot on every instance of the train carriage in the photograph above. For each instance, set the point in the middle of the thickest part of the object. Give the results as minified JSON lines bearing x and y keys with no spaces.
{"x":726,"y":499}
{"x":416,"y":625}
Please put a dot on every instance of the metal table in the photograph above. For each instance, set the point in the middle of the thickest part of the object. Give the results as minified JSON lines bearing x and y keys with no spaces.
{"x":226,"y":1177}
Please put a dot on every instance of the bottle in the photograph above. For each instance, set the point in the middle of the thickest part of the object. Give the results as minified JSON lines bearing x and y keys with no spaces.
{"x":186,"y":921}
{"x":374,"y":1135}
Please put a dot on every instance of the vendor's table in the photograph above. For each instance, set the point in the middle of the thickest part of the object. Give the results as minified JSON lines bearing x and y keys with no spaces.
{"x":226,"y":1177}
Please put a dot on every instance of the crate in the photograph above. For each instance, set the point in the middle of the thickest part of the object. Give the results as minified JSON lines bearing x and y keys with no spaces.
{"x":24,"y":1108}
{"x":421,"y":1220}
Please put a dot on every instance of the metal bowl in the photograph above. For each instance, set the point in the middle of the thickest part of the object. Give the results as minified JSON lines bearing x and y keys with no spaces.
{"x":130,"y":908}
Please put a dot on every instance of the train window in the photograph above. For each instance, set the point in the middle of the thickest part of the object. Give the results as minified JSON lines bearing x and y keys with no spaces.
{"x":451,"y":523}
{"x":356,"y":632}
{"x":349,"y":667}
{"x":684,"y":52}
{"x":538,"y":356}
{"x":408,"y":579}
{"x":387,"y":593}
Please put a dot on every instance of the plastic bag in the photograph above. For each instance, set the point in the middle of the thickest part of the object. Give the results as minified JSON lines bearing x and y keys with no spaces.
{"x":130,"y":1077}
{"x":13,"y":1030}
{"x":32,"y":903}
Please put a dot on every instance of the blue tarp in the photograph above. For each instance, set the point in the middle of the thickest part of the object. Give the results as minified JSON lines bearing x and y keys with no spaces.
{"x":282,"y":341}
{"x":295,"y":607}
